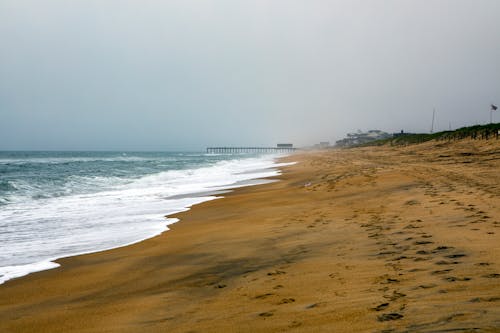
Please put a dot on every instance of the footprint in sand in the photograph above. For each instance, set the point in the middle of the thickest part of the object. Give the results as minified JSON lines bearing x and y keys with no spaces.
{"x":294,"y":324}
{"x":492,"y":276}
{"x":395,"y":295}
{"x":444,"y":271}
{"x":315,"y":305}
{"x":381,"y":307}
{"x":426,"y":286}
{"x":390,"y":316}
{"x":454,"y":256}
{"x":444,"y":262}
{"x":411,"y":226}
{"x":454,"y":279}
{"x":286,"y":301}
{"x":401,"y":258}
{"x":484,"y":299}
{"x":383,"y":253}
{"x":441,"y":321}
{"x":441,"y":248}
{"x":423,"y":242}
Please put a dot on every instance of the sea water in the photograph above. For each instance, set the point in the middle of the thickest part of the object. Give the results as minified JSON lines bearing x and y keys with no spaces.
{"x":59,"y":204}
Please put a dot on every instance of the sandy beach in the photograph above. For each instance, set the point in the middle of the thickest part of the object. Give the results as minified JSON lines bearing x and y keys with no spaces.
{"x":385,"y":239}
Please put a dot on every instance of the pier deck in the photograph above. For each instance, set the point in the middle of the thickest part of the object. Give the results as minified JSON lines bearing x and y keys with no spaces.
{"x":231,"y":150}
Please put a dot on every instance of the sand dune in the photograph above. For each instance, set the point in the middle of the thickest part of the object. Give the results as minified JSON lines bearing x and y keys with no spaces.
{"x":371,"y":239}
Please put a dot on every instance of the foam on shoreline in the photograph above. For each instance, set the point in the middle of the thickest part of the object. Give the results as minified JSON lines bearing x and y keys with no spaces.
{"x":86,"y":223}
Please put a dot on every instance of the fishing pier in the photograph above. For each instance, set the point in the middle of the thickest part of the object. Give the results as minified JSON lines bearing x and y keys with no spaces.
{"x":280,"y":148}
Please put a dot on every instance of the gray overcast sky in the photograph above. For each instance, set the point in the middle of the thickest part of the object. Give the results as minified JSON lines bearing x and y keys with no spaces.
{"x":163,"y":75}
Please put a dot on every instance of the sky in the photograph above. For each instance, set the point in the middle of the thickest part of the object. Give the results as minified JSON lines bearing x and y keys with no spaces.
{"x":184,"y":75}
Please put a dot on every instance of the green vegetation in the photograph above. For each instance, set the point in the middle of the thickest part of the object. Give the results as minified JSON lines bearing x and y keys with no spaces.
{"x":490,"y":131}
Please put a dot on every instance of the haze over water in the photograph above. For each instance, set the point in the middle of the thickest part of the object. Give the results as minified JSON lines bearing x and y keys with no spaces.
{"x":182,"y":74}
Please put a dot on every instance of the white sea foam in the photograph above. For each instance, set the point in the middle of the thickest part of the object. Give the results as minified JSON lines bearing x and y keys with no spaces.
{"x":34,"y":233}
{"x":12,"y":272}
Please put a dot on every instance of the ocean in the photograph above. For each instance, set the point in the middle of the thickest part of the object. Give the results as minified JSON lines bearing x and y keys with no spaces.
{"x":60,"y":204}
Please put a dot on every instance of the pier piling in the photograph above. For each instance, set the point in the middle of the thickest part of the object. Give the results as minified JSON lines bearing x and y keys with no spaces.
{"x":231,"y":150}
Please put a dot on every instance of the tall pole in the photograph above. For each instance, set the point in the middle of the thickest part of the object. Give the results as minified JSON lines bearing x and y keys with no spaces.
{"x":433,"y":115}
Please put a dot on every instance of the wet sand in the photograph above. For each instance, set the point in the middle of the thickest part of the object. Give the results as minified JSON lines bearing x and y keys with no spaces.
{"x":361,"y":240}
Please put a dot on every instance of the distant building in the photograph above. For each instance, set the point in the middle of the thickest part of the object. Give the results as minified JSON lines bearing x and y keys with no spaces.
{"x":322,"y":145}
{"x":284,"y":145}
{"x":359,"y":137}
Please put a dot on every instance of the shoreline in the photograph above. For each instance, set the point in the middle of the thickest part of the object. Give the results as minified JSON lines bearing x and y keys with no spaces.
{"x":380,"y":238}
{"x":11,"y":272}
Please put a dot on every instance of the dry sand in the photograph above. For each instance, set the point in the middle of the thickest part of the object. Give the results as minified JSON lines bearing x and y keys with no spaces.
{"x":361,"y":240}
